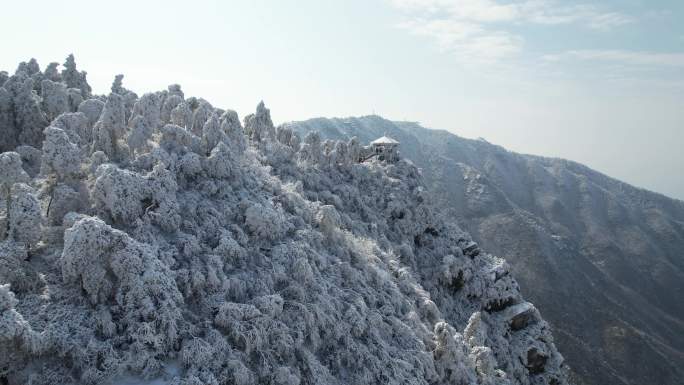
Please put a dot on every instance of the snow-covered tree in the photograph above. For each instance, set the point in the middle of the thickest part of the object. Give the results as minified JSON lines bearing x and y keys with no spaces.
{"x":11,"y":171}
{"x":149,"y":107}
{"x":259,"y":125}
{"x":92,"y":109}
{"x":74,"y":98}
{"x":24,"y":214}
{"x":29,"y":119}
{"x":60,"y":155}
{"x":200,"y":115}
{"x":7,"y":129}
{"x":110,"y":127}
{"x":55,"y":98}
{"x":182,"y":116}
{"x":212,"y":134}
{"x":52,"y":73}
{"x":230,"y":124}
{"x":75,"y":79}
{"x":76,"y":126}
{"x":117,"y":85}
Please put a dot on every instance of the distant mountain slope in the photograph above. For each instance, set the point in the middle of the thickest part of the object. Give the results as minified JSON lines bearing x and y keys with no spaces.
{"x":603,"y":260}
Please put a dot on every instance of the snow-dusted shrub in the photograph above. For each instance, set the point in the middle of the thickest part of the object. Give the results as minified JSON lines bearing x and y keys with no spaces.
{"x":17,"y":270}
{"x":220,"y":163}
{"x":230,"y":124}
{"x":259,"y":125}
{"x":302,"y":271}
{"x":60,"y":156}
{"x":310,"y":151}
{"x":112,"y":268}
{"x":231,"y":312}
{"x":29,"y":68}
{"x":92,"y":109}
{"x":200,"y":115}
{"x":170,"y":103}
{"x":162,"y":187}
{"x":485,"y":364}
{"x":240,"y":374}
{"x":475,"y":332}
{"x":117,"y":85}
{"x":97,"y":159}
{"x":11,"y":171}
{"x":284,"y":376}
{"x":7,"y":130}
{"x":181,"y":116}
{"x":265,"y":221}
{"x":284,"y":135}
{"x":354,"y":149}
{"x":149,"y":108}
{"x":271,"y":305}
{"x":179,"y":140}
{"x":196,"y":351}
{"x":29,"y":119}
{"x":451,"y":355}
{"x":328,"y":219}
{"x":74,"y":99}
{"x":230,"y":249}
{"x":12,"y":324}
{"x":75,"y":79}
{"x":110,"y":127}
{"x":75,"y":124}
{"x":120,"y":193}
{"x":190,"y":165}
{"x":212,"y":134}
{"x":7,"y":298}
{"x":63,"y":200}
{"x":138,"y":135}
{"x":341,"y":154}
{"x":24,"y":215}
{"x":126,"y":196}
{"x":52,"y":73}
{"x":31,"y":159}
{"x":175,"y":90}
{"x":55,"y":98}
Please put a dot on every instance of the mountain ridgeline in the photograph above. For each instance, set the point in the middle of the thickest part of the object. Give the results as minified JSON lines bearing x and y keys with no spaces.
{"x":158,"y":239}
{"x":603,"y":261}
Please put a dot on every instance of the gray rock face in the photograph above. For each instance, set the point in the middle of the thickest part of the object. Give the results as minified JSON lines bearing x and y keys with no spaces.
{"x":248,"y":259}
{"x":602,"y":260}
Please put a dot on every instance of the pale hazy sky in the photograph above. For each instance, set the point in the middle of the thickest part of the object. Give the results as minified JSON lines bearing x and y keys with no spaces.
{"x":599,"y":82}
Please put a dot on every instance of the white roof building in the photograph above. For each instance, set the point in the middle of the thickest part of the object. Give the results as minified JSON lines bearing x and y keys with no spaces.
{"x":384,"y":140}
{"x":385,"y":149}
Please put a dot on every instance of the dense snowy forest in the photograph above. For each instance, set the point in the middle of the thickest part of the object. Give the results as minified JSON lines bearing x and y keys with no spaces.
{"x":159,"y":239}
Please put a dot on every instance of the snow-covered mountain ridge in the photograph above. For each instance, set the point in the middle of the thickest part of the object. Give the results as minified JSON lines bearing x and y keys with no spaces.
{"x":601,"y":259}
{"x":157,"y":238}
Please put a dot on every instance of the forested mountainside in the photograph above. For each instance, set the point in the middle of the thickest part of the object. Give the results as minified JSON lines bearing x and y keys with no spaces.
{"x":602,"y":260}
{"x":159,"y":239}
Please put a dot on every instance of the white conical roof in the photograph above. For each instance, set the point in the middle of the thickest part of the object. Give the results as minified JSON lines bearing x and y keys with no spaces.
{"x":384,"y":140}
